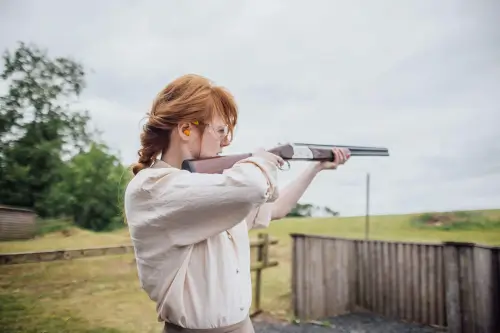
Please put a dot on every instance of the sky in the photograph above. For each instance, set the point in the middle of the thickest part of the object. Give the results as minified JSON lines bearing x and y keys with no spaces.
{"x":419,"y":77}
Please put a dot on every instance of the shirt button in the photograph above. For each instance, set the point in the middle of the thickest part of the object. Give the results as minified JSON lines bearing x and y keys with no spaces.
{"x":237,"y":271}
{"x":242,"y":308}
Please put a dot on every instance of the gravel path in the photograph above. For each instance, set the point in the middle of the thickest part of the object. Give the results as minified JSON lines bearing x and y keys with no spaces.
{"x":352,"y":323}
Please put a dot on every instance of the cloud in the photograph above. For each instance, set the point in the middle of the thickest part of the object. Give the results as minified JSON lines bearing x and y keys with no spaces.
{"x":419,"y":77}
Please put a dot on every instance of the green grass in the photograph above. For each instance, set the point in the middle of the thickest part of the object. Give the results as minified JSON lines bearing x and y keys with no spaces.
{"x":98,"y":294}
{"x":102,"y":294}
{"x":48,"y":226}
{"x":21,"y":314}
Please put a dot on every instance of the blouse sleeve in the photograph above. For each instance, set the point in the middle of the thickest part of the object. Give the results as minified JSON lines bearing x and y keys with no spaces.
{"x":191,"y":207}
{"x":260,"y":217}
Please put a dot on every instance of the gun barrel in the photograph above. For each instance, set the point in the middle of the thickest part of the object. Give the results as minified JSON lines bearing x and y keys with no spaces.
{"x":314,"y":152}
{"x":351,"y":148}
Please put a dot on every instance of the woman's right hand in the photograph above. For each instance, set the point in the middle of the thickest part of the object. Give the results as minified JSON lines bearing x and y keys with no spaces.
{"x":275,"y":159}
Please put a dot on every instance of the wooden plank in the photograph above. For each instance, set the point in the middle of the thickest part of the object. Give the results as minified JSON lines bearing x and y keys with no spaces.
{"x":483,"y":295}
{"x":329,"y":277}
{"x":299,"y":273}
{"x":353,"y":265}
{"x":424,"y":293}
{"x":359,"y":274}
{"x":440,"y":287}
{"x":317,"y":293}
{"x":495,"y":290}
{"x":393,"y":250}
{"x":339,"y":277}
{"x":408,"y":282}
{"x":348,"y":275}
{"x":387,"y":281}
{"x":367,"y":267}
{"x":294,"y":278}
{"x":379,"y":277}
{"x":466,"y":267}
{"x":416,"y":281}
{"x":400,"y":280}
{"x":308,"y":291}
{"x":307,"y":273}
{"x":432,"y":295}
{"x":452,"y":283}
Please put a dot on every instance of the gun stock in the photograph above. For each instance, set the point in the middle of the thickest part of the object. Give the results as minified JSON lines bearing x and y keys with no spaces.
{"x":289,"y":152}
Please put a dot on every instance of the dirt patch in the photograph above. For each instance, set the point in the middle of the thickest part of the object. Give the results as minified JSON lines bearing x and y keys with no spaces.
{"x":266,"y":317}
{"x":439,"y":219}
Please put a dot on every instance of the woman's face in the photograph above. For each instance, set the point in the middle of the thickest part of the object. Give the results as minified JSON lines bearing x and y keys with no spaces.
{"x":213,"y":139}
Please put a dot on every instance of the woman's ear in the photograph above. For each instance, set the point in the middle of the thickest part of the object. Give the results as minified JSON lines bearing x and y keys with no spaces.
{"x":184,"y":130}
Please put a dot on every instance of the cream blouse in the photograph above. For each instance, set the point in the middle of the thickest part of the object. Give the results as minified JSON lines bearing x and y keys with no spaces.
{"x":190,"y":237}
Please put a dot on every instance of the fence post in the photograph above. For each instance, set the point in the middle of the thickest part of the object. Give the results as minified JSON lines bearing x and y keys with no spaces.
{"x":262,"y":257}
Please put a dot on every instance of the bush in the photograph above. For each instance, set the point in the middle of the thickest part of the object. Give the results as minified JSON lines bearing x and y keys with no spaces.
{"x":459,"y":220}
{"x":47,"y":226}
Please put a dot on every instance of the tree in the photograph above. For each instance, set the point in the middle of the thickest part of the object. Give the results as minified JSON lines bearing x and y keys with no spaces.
{"x":91,"y":189}
{"x":308,"y":210}
{"x":331,"y":212}
{"x":37,"y":127}
{"x":301,"y":210}
{"x":49,"y":159}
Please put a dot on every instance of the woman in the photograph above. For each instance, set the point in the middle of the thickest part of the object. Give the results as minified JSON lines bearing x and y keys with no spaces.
{"x":190,"y":230}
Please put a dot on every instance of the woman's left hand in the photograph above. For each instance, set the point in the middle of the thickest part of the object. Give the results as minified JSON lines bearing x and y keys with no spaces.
{"x":341,"y":156}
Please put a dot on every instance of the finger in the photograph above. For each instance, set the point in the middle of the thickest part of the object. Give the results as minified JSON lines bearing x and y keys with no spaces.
{"x":341,"y":156}
{"x":337,"y":157}
{"x":344,"y":155}
{"x":277,"y":160}
{"x":347,"y":153}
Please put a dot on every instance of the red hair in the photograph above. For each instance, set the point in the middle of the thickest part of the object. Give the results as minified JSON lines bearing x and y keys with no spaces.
{"x":188,"y":98}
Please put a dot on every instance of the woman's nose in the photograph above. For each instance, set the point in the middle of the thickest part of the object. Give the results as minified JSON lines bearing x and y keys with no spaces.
{"x":224,"y":142}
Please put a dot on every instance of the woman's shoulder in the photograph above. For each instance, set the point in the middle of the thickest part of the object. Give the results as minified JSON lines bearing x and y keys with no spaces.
{"x":147,"y":179}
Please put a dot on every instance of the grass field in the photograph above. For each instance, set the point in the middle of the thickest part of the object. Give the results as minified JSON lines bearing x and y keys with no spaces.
{"x":103,"y":295}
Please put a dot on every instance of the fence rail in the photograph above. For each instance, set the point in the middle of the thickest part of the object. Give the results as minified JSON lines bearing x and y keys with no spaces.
{"x":262,"y":262}
{"x":453,"y":285}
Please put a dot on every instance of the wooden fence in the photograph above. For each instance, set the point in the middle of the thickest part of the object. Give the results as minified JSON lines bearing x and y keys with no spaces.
{"x":453,"y":285}
{"x":261,"y":262}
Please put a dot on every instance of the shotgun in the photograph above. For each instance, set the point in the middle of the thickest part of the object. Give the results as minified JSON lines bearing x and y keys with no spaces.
{"x":288,"y":152}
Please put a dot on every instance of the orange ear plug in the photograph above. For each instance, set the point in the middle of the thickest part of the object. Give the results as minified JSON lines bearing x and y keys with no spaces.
{"x":186,"y":132}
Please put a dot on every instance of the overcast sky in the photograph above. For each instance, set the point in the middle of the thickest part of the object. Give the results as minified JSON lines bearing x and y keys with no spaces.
{"x":419,"y":77}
